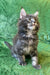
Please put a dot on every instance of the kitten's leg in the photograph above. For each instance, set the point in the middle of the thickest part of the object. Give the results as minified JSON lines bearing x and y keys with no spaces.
{"x":34,"y":58}
{"x":35,"y":62}
{"x":13,"y":53}
{"x":21,"y":60}
{"x":15,"y":56}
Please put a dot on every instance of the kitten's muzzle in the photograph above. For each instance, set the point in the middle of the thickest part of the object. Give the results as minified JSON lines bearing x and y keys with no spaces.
{"x":36,"y":27}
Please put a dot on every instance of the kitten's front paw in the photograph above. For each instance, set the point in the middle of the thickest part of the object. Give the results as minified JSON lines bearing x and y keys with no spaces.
{"x":22,"y":63}
{"x":37,"y":67}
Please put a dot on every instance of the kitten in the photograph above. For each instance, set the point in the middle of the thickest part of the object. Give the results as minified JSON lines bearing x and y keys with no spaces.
{"x":26,"y":40}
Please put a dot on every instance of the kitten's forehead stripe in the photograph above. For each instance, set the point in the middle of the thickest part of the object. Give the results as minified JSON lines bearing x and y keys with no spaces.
{"x":30,"y":16}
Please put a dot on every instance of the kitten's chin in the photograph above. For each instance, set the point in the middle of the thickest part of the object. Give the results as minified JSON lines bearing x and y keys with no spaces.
{"x":31,"y":27}
{"x":35,"y":32}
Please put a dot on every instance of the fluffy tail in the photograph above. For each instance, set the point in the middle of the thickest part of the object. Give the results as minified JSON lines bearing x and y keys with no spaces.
{"x":9,"y":46}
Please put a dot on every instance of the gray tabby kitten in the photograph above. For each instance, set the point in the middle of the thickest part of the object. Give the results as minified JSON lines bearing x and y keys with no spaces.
{"x":26,"y":40}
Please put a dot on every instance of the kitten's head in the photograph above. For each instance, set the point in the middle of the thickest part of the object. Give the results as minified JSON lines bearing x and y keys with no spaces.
{"x":30,"y":22}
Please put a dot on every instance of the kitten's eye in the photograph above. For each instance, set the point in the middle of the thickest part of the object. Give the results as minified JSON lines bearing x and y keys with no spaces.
{"x":33,"y":20}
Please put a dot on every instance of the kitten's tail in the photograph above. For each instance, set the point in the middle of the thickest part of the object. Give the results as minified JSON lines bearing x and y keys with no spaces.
{"x":9,"y":45}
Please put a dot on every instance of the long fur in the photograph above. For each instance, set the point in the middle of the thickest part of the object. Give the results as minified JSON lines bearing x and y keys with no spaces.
{"x":26,"y":40}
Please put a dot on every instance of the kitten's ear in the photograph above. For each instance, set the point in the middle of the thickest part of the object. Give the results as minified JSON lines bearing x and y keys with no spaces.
{"x":22,"y":13}
{"x":36,"y":14}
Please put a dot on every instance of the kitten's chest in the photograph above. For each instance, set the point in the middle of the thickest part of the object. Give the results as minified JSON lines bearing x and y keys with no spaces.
{"x":29,"y":33}
{"x":29,"y":47}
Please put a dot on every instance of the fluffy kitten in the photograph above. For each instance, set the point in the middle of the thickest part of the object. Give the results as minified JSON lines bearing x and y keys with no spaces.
{"x":26,"y":40}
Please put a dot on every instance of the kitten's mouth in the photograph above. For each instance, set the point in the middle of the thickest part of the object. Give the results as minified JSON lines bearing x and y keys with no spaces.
{"x":33,"y":26}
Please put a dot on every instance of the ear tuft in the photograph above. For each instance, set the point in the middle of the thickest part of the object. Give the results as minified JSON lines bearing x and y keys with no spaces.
{"x":22,"y":13}
{"x":36,"y":14}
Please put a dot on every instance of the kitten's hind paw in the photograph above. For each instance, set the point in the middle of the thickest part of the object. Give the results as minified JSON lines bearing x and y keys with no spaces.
{"x":37,"y":67}
{"x":22,"y":63}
